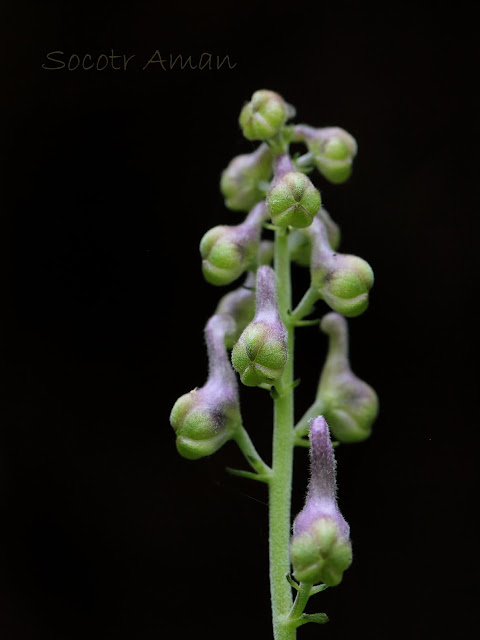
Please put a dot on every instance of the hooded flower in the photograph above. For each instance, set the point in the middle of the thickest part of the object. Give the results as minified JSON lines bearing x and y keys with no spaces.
{"x":260,"y":354}
{"x":320,"y":548}
{"x":204,"y":419}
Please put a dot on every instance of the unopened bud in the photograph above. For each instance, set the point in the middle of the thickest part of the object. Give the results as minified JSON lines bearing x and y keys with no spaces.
{"x":206,"y":418}
{"x":332,"y":148}
{"x":342,"y":280}
{"x":261,"y":353}
{"x":300,"y":243}
{"x":292,"y":199}
{"x":241,"y":181}
{"x":351,"y":405}
{"x":320,"y":548}
{"x":264,"y":115}
{"x":228,"y":251}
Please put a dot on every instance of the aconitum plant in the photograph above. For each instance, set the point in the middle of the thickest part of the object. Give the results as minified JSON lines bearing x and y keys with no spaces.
{"x":256,"y":323}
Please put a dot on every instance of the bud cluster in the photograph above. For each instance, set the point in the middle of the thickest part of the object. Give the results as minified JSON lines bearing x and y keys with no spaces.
{"x":269,"y":186}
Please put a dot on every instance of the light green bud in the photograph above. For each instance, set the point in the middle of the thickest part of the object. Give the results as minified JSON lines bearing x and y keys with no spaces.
{"x":263,"y":116}
{"x":350,"y":404}
{"x":260,"y":355}
{"x":261,"y":352}
{"x":293,"y":200}
{"x":201,"y":430}
{"x":335,"y":171}
{"x":320,"y":554}
{"x":345,"y":285}
{"x":223,"y":261}
{"x":332,"y":148}
{"x":228,"y":251}
{"x":207,"y":417}
{"x":342,"y":280}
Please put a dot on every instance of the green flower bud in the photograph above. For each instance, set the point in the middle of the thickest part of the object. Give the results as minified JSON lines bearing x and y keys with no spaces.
{"x":300,"y":243}
{"x":259,"y":356}
{"x":350,"y":405}
{"x":261,"y":353}
{"x":292,"y":199}
{"x":342,"y":280}
{"x":332,"y":148}
{"x":321,"y":555}
{"x":320,"y":548}
{"x":204,"y":419}
{"x":264,"y":115}
{"x":200,"y":431}
{"x":228,"y":251}
{"x":241,"y":181}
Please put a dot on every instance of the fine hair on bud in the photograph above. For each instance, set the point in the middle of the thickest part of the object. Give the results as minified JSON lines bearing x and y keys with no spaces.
{"x":350,"y":404}
{"x":292,"y":199}
{"x":228,"y":251}
{"x":260,"y":354}
{"x":342,"y":281}
{"x":204,"y":419}
{"x":320,"y":548}
{"x":264,"y":115}
{"x":333,"y":150}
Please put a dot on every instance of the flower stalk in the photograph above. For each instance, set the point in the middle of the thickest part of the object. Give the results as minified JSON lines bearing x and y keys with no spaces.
{"x":257,"y":324}
{"x":282,"y":454}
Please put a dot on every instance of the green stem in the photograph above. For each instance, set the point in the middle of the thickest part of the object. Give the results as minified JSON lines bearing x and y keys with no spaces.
{"x":282,"y":459}
{"x":306,"y":304}
{"x":301,"y":600}
{"x":247,"y":447}
{"x":305,"y":161}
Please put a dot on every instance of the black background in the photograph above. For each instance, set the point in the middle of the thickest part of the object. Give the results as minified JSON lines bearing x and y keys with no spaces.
{"x":109,"y":180}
